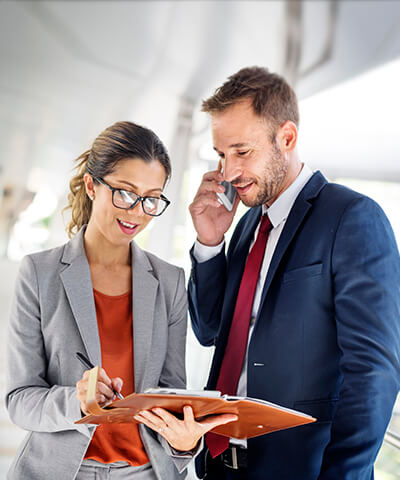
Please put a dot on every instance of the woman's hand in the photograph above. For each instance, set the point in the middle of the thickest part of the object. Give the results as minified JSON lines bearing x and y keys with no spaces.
{"x":104,"y":389}
{"x":184,"y":434}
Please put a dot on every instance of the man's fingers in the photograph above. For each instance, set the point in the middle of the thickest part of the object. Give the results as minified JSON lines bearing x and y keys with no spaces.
{"x":211,"y":186}
{"x":213,"y":175}
{"x":236,"y":203}
{"x":206,"y":199}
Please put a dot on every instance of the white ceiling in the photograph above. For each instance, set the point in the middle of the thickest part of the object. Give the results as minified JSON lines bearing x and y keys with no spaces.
{"x":71,"y":68}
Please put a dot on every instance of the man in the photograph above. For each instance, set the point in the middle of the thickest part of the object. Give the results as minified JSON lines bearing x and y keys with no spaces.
{"x":304,"y":307}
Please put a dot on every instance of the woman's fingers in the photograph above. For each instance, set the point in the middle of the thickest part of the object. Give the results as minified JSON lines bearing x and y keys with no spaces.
{"x":215,"y":420}
{"x":151,"y":420}
{"x":104,"y":389}
{"x":116,"y":384}
{"x":181,"y":434}
{"x":167,"y":417}
{"x":188,"y":415}
{"x":103,"y":377}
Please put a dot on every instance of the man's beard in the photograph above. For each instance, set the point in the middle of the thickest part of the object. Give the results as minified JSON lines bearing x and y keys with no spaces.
{"x":270,"y":183}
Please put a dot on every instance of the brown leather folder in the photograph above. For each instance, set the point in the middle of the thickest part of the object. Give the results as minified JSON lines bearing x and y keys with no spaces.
{"x":256,"y":417}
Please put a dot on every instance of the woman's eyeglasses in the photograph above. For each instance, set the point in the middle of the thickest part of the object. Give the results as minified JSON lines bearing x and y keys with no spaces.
{"x":127,"y":200}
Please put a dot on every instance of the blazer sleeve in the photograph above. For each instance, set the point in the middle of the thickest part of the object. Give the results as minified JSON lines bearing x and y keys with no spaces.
{"x":32,"y":403}
{"x":206,"y":295}
{"x":174,"y":371}
{"x":366,"y":274}
{"x":173,"y":374}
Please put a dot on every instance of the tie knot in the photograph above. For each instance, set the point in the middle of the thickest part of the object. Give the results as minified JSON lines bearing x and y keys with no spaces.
{"x":266,"y":224}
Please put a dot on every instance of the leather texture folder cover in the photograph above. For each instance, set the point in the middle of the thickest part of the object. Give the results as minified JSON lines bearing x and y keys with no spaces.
{"x":256,"y":417}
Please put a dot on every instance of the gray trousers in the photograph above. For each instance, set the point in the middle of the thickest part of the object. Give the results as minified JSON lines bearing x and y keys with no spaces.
{"x":92,"y":470}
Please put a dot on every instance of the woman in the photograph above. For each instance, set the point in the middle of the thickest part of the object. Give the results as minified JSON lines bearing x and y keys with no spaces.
{"x":125,"y":309}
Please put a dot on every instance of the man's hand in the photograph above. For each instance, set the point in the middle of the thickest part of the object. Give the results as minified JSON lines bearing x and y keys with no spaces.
{"x":184,"y":434}
{"x":104,"y":389}
{"x":211,"y":219}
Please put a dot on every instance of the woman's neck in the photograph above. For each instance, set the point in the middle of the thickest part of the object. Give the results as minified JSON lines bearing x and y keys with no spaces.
{"x":100,"y":251}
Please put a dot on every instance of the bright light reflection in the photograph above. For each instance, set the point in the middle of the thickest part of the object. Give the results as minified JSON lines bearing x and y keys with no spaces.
{"x":30,"y":232}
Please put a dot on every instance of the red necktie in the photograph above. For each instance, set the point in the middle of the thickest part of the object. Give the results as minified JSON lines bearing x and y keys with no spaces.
{"x":238,"y":335}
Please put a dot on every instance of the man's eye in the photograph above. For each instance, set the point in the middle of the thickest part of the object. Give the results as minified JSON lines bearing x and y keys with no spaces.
{"x":243,"y":153}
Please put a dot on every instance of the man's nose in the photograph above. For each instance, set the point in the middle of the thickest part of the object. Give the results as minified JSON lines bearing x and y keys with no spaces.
{"x":232,"y":169}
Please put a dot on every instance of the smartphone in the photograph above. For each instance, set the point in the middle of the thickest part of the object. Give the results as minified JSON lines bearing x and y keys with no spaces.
{"x":227,"y":198}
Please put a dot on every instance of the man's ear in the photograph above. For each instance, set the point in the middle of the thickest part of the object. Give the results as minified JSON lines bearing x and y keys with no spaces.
{"x":287,"y":136}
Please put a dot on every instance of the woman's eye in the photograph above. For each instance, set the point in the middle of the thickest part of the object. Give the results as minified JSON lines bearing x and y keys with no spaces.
{"x":243,"y":153}
{"x":126,"y":195}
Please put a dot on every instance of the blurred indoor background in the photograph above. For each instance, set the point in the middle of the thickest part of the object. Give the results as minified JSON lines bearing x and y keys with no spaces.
{"x":69,"y":69}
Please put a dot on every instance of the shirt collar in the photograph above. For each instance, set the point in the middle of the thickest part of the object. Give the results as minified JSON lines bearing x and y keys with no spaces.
{"x":279,"y":210}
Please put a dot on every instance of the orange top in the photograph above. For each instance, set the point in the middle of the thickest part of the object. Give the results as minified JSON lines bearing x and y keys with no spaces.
{"x":118,"y":441}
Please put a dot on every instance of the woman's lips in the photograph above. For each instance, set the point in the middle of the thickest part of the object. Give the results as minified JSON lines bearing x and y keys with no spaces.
{"x":127,"y":227}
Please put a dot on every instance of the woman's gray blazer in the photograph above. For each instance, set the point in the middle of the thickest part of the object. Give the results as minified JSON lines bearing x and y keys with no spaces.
{"x":53,"y":316}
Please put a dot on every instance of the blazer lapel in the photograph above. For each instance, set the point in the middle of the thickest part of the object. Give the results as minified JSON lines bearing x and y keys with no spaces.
{"x":144,"y":290}
{"x":295,"y":219}
{"x":77,"y":283}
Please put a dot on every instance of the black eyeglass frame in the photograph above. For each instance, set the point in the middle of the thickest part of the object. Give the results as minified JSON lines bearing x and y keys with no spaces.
{"x":139,"y":198}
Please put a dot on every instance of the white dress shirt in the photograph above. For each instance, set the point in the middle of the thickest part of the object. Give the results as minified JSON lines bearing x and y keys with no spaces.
{"x":278,"y":213}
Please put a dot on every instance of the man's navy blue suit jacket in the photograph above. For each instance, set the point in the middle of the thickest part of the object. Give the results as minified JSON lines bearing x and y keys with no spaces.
{"x":327,"y":336}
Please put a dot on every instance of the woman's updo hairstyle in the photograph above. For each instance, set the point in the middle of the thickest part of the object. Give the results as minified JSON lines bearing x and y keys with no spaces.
{"x":119,"y":142}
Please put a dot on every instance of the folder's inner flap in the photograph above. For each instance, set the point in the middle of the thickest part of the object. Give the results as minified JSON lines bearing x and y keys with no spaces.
{"x":278,"y":407}
{"x":181,"y":391}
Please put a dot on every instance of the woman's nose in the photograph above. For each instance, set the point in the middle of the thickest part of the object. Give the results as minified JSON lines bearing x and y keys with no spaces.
{"x":137,"y":210}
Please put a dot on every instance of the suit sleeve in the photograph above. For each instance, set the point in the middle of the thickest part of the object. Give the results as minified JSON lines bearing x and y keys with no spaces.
{"x":206,"y":295}
{"x":366,"y":279}
{"x":33,"y":404}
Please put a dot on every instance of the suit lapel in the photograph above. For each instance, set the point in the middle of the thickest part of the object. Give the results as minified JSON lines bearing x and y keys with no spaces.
{"x":144,"y":289}
{"x":293,"y":223}
{"x":77,"y":283}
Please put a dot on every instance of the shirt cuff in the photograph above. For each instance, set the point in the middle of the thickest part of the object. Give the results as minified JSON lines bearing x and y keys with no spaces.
{"x":202,"y":253}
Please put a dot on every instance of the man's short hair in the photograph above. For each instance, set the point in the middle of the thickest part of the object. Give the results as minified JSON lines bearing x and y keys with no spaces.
{"x":270,"y":95}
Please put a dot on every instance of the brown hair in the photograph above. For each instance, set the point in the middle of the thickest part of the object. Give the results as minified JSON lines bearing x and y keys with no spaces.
{"x":270,"y":94}
{"x":119,"y":142}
